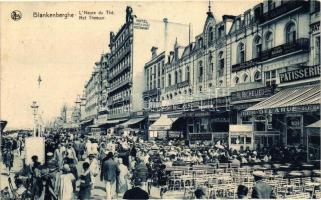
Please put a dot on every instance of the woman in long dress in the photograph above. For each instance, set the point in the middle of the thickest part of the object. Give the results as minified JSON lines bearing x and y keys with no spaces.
{"x":65,"y":184}
{"x":123,"y":178}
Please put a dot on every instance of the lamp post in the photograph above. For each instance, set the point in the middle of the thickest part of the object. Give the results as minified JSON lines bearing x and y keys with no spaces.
{"x":34,"y":107}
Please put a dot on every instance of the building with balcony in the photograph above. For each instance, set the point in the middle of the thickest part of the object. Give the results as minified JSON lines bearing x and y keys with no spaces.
{"x":258,"y":68}
{"x":129,"y":52}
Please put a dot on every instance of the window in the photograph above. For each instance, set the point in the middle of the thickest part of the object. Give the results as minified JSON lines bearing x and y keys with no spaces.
{"x":180,"y":76}
{"x":269,"y":40}
{"x":290,"y":33}
{"x":257,"y":77}
{"x":221,"y":64}
{"x":200,"y":72}
{"x":270,"y":78}
{"x":162,"y":85}
{"x":317,"y":51}
{"x":236,"y":80}
{"x":210,"y":35}
{"x":257,"y":47}
{"x":241,"y":53}
{"x":187,"y":74}
{"x":245,"y":78}
{"x":176,"y":77}
{"x":200,"y":42}
{"x":169,"y":79}
{"x":220,"y":31}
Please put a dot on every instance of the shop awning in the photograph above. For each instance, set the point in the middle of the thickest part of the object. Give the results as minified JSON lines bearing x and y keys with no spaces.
{"x":86,"y":121}
{"x":93,"y":126}
{"x":108,"y":122}
{"x":70,"y":126}
{"x":299,"y":99}
{"x":132,"y":121}
{"x":163,"y":123}
{"x":315,"y":125}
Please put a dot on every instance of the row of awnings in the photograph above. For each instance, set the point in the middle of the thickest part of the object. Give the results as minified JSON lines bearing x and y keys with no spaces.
{"x":299,"y":99}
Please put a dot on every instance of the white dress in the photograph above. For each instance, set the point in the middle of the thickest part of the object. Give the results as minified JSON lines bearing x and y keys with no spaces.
{"x":65,"y":188}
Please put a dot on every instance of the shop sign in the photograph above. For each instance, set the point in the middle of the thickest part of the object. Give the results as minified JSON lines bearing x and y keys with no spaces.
{"x":196,"y":114}
{"x":252,"y":94}
{"x":200,"y":136}
{"x":242,"y":106}
{"x":174,"y":134}
{"x":315,"y":27}
{"x":289,"y":109}
{"x":300,"y":74}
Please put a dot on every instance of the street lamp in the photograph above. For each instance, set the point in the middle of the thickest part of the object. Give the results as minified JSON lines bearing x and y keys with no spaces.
{"x":34,"y":107}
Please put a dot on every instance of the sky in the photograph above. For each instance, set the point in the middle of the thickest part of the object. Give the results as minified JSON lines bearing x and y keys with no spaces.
{"x":64,"y":51}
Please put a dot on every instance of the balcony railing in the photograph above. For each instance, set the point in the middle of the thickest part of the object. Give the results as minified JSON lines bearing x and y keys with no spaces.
{"x":119,"y":100}
{"x":244,"y":65}
{"x":290,"y":47}
{"x":115,"y":74}
{"x":183,"y":84}
{"x":247,"y":86}
{"x":170,"y":88}
{"x":119,"y":85}
{"x":152,"y":92}
{"x":280,"y":10}
{"x":177,"y":86}
{"x":118,"y":115}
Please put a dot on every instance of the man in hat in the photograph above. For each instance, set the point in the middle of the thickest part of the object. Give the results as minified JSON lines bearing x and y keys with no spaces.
{"x":136,"y":192}
{"x":261,"y":190}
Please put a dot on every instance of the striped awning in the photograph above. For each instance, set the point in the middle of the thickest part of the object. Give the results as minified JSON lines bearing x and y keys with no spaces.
{"x":298,"y":99}
{"x":315,"y":125}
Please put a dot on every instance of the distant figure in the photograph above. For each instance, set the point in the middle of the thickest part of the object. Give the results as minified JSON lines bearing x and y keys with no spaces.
{"x":242,"y":192}
{"x":136,"y":192}
{"x":261,"y":190}
{"x":123,"y":178}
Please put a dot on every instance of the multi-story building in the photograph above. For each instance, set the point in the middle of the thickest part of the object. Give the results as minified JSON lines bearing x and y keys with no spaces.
{"x":261,"y":68}
{"x":129,"y":49}
{"x":154,"y":79}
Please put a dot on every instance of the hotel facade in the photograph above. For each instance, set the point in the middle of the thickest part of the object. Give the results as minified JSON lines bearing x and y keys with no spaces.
{"x":260,"y":68}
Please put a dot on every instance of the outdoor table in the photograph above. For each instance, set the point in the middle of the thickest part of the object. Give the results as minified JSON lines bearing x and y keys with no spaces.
{"x":307,"y":165}
{"x":317,"y":172}
{"x":295,"y":174}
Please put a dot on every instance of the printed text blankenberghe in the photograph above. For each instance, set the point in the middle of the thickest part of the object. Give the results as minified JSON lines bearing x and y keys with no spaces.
{"x":53,"y":15}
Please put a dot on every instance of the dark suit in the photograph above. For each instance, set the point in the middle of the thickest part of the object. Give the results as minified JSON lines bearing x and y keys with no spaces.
{"x":262,"y":190}
{"x":109,"y":170}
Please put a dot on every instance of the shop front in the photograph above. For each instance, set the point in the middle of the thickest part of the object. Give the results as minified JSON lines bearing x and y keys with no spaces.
{"x":159,"y":129}
{"x":289,"y":111}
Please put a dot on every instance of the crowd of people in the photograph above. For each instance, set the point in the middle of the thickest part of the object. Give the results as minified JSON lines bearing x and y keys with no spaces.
{"x":127,"y":165}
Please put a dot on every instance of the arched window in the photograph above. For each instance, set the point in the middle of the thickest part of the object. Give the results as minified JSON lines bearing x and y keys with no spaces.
{"x":241,"y":53}
{"x":268,"y":40}
{"x":245,"y":78}
{"x":220,"y":83}
{"x":257,"y":46}
{"x":290,"y":32}
{"x":169,"y":80}
{"x":187,"y":75}
{"x":221,"y":64}
{"x":257,"y":76}
{"x":236,"y":80}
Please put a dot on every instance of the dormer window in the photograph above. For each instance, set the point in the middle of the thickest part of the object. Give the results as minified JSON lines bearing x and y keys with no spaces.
{"x":200,"y":42}
{"x":220,"y":31}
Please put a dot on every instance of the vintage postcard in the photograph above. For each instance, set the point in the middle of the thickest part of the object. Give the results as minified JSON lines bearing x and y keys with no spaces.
{"x":175,"y":99}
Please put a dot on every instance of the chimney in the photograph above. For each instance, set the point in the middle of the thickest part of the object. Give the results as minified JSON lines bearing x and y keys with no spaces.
{"x":154,"y":52}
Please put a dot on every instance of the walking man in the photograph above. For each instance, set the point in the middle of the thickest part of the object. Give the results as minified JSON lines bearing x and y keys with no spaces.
{"x":109,"y":173}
